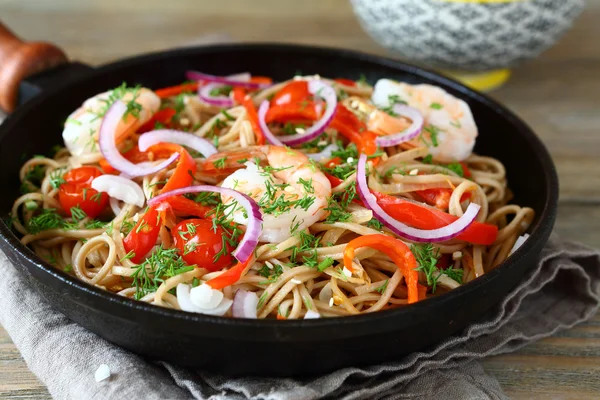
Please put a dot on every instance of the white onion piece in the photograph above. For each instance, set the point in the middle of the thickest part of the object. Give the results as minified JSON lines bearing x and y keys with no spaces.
{"x":244,"y":304}
{"x":326,"y":293}
{"x":519,"y":242}
{"x":325,"y":153}
{"x":190,"y":140}
{"x":109,"y":148}
{"x":418,"y":235}
{"x":114,"y":206}
{"x":253,"y":228}
{"x":408,"y":134}
{"x":184,"y":298}
{"x":120,"y":188}
{"x":317,"y":88}
{"x":310,"y":314}
{"x":204,"y":296}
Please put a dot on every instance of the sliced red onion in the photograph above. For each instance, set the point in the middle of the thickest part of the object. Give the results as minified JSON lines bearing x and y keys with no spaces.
{"x":520,"y":240}
{"x":190,"y":140}
{"x":110,"y":151}
{"x":417,"y":235}
{"x":325,"y":153}
{"x":244,"y":304}
{"x":226,"y":80}
{"x":408,"y":134}
{"x":119,"y":187}
{"x":262,"y":111}
{"x":253,"y":228}
{"x":220,"y":100}
{"x":317,"y":88}
{"x":310,"y":314}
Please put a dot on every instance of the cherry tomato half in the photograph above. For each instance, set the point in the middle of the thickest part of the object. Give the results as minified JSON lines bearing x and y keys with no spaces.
{"x":198,"y":244}
{"x":77,"y":192}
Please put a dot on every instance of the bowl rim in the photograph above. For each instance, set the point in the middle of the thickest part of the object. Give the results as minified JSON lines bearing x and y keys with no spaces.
{"x":121,"y":306}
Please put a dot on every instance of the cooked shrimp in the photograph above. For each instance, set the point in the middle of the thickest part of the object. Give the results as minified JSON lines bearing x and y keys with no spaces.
{"x":291,"y":191}
{"x":377,"y":121}
{"x":447,"y":118}
{"x":81,"y":128}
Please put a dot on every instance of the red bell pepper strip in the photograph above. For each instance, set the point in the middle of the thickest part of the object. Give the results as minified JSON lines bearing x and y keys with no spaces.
{"x":347,"y":82}
{"x":186,"y":165}
{"x":293,"y":92}
{"x":164,"y":117}
{"x":143,"y":236}
{"x":466,"y":170}
{"x":440,"y":198}
{"x":424,"y":217}
{"x":396,"y":250}
{"x":248,"y":104}
{"x":304,"y":110}
{"x":176,"y":90}
{"x":186,"y":207}
{"x":348,"y":124}
{"x":230,"y":276}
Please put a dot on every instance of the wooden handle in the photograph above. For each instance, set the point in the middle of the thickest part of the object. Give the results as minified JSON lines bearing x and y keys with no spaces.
{"x":18,"y":60}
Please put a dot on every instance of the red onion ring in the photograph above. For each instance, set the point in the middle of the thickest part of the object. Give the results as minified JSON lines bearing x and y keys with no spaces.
{"x":262,"y":112}
{"x":417,"y":235}
{"x":317,"y":88}
{"x":253,"y":228}
{"x":190,"y":140}
{"x":110,"y":151}
{"x":228,"y":80}
{"x":220,"y":100}
{"x":244,"y":304}
{"x":409,"y":133}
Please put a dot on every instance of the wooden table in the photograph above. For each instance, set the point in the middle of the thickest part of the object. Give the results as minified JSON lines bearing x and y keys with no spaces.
{"x":557,"y":94}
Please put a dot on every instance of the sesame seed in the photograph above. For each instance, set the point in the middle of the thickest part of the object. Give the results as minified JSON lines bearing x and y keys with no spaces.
{"x":300,"y":130}
{"x":414,"y":172}
{"x":296,"y":281}
{"x":350,"y":159}
{"x":184,"y":121}
{"x":331,"y":302}
{"x":456,"y":255}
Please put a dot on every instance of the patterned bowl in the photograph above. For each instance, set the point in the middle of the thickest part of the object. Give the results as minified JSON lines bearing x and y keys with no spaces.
{"x":467,"y":35}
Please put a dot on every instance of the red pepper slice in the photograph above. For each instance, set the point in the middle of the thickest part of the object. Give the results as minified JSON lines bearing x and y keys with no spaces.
{"x":293,"y":92}
{"x":186,"y":207}
{"x":344,"y":81}
{"x":230,"y":276}
{"x":397,"y":251}
{"x":424,"y":217}
{"x":143,"y":236}
{"x":176,"y":90}
{"x":164,"y":117}
{"x":348,"y":124}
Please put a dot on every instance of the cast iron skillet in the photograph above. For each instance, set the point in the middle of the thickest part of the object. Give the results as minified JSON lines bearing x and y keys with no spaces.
{"x":235,"y":346}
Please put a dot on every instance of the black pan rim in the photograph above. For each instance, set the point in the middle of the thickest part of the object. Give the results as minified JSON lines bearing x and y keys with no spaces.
{"x":539,"y":232}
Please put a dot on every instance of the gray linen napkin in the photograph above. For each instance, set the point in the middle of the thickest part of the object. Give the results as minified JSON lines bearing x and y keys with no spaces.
{"x":563,"y":290}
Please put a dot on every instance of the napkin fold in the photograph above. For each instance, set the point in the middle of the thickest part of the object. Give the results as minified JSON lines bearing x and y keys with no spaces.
{"x":562,"y":291}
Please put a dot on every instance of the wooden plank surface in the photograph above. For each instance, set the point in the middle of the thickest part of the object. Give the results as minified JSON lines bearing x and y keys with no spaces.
{"x":558,"y":95}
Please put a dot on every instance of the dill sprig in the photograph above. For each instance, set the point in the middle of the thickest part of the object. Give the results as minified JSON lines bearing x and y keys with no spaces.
{"x":162,"y":264}
{"x":427,"y":257}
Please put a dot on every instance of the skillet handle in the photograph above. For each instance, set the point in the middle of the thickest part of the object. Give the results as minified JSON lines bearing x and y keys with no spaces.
{"x":18,"y":60}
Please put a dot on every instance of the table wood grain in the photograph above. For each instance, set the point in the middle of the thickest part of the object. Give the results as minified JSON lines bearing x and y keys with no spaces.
{"x":558,"y":94}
